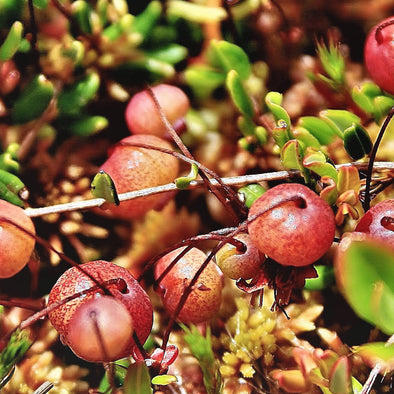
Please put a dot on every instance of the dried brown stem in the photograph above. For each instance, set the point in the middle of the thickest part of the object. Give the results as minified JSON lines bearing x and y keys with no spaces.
{"x":229,"y":181}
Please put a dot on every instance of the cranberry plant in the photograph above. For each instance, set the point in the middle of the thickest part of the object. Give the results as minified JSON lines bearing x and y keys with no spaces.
{"x":194,"y":200}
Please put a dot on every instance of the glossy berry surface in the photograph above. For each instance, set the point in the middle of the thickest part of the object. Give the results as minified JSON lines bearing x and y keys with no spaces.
{"x":143,"y":117}
{"x":132,"y":168}
{"x":379,"y":54}
{"x":204,"y":300}
{"x":133,"y":297}
{"x":16,"y":246}
{"x":236,"y":264}
{"x":294,"y":227}
{"x":379,"y":221}
{"x":100,"y":330}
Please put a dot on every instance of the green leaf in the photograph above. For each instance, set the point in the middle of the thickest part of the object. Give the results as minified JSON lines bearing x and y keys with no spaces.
{"x":87,"y":125}
{"x":34,"y":100}
{"x":382,"y":105}
{"x":357,"y":142}
{"x":201,"y":348}
{"x":364,"y":269}
{"x":137,"y":380}
{"x":10,"y":11}
{"x":290,"y":155}
{"x":316,"y":161}
{"x":164,"y":380}
{"x":340,"y":376}
{"x":204,"y":80}
{"x":195,"y":12}
{"x":332,"y":61}
{"x":82,"y":13}
{"x":41,"y":4}
{"x":274,"y":101}
{"x":339,"y":119}
{"x":246,"y":125}
{"x":72,"y":98}
{"x":251,"y":193}
{"x":305,"y":137}
{"x":363,"y":95}
{"x":325,"y":278}
{"x":12,"y":42}
{"x":145,"y":21}
{"x":103,"y":186}
{"x":170,"y":53}
{"x":319,"y":128}
{"x":227,"y":56}
{"x":238,"y":94}
{"x":16,"y":348}
{"x":184,"y":181}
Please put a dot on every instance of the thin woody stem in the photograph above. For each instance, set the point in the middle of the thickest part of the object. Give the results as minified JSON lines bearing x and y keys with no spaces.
{"x":229,"y":181}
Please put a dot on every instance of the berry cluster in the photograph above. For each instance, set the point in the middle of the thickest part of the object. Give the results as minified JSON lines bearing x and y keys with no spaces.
{"x":278,"y":237}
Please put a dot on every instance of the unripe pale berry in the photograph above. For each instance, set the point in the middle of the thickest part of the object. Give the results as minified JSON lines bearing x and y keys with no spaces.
{"x":73,"y":281}
{"x":294,"y":227}
{"x":142,"y":115}
{"x":132,"y":168}
{"x":379,"y":54}
{"x":204,"y":300}
{"x":16,"y":246}
{"x":100,"y":330}
{"x":236,"y":264}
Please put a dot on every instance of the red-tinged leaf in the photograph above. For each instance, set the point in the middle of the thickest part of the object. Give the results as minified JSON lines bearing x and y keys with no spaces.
{"x":340,"y":377}
{"x":377,"y":353}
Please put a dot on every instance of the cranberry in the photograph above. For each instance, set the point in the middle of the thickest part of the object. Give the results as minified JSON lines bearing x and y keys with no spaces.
{"x":143,"y":117}
{"x":379,"y":54}
{"x":205,"y":298}
{"x":379,"y":221}
{"x":294,"y":225}
{"x":100,"y":330}
{"x":132,"y":296}
{"x":16,"y":246}
{"x":236,"y":264}
{"x":133,"y":168}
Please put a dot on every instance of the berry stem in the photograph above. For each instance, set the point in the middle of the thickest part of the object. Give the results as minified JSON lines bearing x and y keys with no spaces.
{"x":226,"y":196}
{"x":372,"y":157}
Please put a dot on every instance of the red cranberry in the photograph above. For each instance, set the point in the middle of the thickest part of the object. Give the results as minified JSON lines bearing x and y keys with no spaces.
{"x":132,"y":296}
{"x":132,"y":168}
{"x":379,"y":221}
{"x":295,"y":227}
{"x":379,"y":54}
{"x":16,"y":246}
{"x":204,"y":300}
{"x":143,"y":117}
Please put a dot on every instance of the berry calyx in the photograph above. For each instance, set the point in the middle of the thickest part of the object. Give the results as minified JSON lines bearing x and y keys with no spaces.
{"x":143,"y":117}
{"x":379,"y":54}
{"x":132,"y":296}
{"x":292,"y":225}
{"x":133,"y":168}
{"x":16,"y":246}
{"x":205,"y":298}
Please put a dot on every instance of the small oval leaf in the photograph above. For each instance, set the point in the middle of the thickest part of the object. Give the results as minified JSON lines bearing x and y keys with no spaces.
{"x":356,"y":141}
{"x":103,"y":186}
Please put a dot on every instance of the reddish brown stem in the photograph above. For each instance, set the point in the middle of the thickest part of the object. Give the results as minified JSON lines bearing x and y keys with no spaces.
{"x":372,"y":157}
